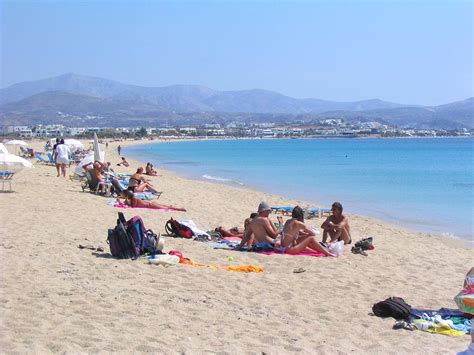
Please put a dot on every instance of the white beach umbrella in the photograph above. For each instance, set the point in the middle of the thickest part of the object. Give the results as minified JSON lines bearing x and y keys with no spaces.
{"x":88,"y":159}
{"x":13,"y":162}
{"x":73,"y":144}
{"x":97,"y":153}
{"x":3,"y":149}
{"x":16,"y":143}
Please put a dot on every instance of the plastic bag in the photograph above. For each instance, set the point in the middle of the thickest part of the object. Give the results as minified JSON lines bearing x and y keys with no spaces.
{"x":337,"y":248}
{"x":465,"y":298}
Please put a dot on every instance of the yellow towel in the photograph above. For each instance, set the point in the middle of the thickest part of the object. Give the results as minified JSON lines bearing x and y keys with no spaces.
{"x":239,"y":268}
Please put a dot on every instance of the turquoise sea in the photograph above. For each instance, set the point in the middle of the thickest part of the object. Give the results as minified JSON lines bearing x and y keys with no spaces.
{"x":424,"y":184}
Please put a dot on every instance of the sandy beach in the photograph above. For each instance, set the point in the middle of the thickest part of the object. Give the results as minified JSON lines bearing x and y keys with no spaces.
{"x":57,"y":298}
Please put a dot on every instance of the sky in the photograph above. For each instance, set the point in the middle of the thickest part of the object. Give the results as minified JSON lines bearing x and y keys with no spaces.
{"x":411,"y":52}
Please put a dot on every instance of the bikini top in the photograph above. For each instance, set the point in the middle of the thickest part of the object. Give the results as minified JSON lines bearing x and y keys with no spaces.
{"x":133,"y":182}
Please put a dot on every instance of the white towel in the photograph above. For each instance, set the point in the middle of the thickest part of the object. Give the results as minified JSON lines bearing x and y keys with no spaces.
{"x":191,"y":225}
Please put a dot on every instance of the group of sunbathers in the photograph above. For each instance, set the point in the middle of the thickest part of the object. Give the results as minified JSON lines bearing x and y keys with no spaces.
{"x":137,"y":183}
{"x":294,"y":236}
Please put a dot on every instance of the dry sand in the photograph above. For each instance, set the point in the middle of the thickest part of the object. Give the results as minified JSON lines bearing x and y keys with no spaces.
{"x":56,"y":297}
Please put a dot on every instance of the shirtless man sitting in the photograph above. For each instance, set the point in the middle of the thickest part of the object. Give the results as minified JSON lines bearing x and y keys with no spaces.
{"x":261,"y":229}
{"x":297,"y":237}
{"x":336,"y":226}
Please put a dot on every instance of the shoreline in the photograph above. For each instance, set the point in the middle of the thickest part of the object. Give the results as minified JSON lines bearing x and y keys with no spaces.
{"x":102,"y":303}
{"x":391,"y":220}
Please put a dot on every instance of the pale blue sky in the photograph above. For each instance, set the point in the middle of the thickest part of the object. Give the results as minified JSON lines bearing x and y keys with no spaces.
{"x":418,"y":52}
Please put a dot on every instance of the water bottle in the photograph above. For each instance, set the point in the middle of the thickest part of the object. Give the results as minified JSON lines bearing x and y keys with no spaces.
{"x":277,"y":241}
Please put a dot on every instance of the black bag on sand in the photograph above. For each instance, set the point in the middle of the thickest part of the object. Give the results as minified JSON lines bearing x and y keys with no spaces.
{"x":120,"y":241}
{"x":395,"y":307}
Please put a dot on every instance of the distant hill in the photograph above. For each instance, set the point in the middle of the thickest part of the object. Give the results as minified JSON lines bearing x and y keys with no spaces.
{"x":117,"y":103}
{"x":458,"y":114}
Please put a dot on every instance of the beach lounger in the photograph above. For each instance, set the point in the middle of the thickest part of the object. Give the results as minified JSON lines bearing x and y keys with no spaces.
{"x":50,"y":159}
{"x":284,"y":210}
{"x":121,"y":186}
{"x":6,"y":178}
{"x":308,"y":212}
{"x":41,"y":160}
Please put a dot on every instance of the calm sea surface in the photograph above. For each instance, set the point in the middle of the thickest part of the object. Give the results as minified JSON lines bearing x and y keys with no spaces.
{"x":424,"y":184}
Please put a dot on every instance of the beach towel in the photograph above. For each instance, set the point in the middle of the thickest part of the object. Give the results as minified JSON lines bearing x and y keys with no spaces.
{"x":239,"y":268}
{"x":191,"y":225}
{"x":303,"y":253}
{"x":223,"y":245}
{"x":115,"y":203}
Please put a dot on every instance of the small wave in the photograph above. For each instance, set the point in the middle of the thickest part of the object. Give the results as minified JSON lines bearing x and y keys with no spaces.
{"x":178,"y":162}
{"x":220,"y":179}
{"x":216,"y":178}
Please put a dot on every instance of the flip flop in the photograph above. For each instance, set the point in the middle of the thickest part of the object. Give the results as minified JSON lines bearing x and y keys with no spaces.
{"x":298,"y":270}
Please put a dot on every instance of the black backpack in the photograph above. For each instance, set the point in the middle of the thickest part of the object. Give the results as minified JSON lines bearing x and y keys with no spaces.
{"x":395,"y":307}
{"x":120,"y":241}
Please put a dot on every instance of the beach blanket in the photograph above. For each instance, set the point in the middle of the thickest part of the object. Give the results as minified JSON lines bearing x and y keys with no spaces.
{"x":264,"y":248}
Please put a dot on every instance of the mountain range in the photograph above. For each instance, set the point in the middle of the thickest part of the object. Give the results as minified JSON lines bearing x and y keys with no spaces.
{"x":78,"y":100}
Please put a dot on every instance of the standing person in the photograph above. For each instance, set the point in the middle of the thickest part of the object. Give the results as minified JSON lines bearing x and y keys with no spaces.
{"x":62,"y":157}
{"x":261,"y":229}
{"x":297,"y":237}
{"x":107,"y":145}
{"x":336,"y":226}
{"x":119,"y":149}
{"x":54,"y":155}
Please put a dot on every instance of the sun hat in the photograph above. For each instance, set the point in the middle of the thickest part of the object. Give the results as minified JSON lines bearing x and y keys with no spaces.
{"x":263,"y":206}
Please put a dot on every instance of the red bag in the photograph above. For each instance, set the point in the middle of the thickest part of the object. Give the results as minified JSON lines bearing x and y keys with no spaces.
{"x":178,"y":230}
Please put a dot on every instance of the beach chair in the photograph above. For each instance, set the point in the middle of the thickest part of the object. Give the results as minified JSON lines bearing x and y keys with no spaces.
{"x":26,"y":152}
{"x":316,"y":212}
{"x":284,"y":210}
{"x":308,"y":212}
{"x":6,"y":178}
{"x":51,"y":159}
{"x":91,"y":182}
{"x":40,"y":159}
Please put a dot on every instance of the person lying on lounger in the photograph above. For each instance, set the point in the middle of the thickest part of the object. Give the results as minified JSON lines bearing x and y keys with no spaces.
{"x":336,"y":226}
{"x":129,"y":200}
{"x":261,"y":229}
{"x":297,"y":237}
{"x":138,"y":182}
{"x":236,"y":231}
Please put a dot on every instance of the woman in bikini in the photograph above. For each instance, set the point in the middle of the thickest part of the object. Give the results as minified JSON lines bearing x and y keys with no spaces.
{"x":130,"y":200}
{"x":297,"y":237}
{"x":138,"y":183}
